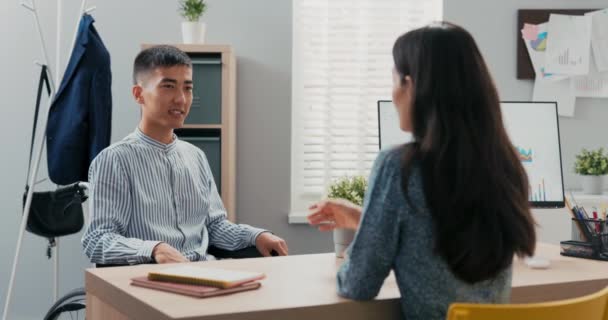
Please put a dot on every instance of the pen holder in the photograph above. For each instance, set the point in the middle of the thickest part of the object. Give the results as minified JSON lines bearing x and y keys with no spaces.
{"x":590,"y":240}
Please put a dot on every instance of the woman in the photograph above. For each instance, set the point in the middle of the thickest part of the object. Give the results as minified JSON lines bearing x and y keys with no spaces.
{"x":448,"y":211}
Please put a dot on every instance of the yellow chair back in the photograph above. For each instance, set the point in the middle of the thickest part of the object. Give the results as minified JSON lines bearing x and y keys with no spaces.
{"x":589,"y":307}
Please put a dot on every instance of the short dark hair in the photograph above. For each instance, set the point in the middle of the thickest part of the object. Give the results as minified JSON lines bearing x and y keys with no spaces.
{"x":158,"y":56}
{"x":475,"y":186}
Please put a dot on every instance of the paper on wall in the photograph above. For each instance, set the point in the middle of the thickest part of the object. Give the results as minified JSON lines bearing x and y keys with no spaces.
{"x":593,"y":85}
{"x":599,"y":38}
{"x":569,"y":47}
{"x":535,"y":39}
{"x":560,"y":91}
{"x":529,"y":32}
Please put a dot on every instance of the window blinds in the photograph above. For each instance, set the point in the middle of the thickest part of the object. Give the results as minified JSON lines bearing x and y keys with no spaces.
{"x":342,"y":61}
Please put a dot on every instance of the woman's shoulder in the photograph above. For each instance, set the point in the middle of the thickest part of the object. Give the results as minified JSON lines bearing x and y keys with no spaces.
{"x":392,"y":159}
{"x":391,"y":167}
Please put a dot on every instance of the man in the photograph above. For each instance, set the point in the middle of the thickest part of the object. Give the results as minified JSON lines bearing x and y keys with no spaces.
{"x":153,"y":198}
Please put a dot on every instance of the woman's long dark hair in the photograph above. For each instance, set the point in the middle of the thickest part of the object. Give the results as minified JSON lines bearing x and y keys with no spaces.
{"x":475,"y":186}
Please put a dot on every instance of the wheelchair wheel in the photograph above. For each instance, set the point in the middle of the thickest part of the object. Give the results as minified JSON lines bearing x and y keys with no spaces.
{"x":70,"y":306}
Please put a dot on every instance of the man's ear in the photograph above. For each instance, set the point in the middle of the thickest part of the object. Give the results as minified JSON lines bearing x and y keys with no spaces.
{"x":137,"y":92}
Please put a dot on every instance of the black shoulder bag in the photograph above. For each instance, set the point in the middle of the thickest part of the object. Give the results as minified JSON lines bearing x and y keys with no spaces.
{"x":53,"y":213}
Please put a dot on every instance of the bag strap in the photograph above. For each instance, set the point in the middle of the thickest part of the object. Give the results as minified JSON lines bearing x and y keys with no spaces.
{"x":44,"y":80}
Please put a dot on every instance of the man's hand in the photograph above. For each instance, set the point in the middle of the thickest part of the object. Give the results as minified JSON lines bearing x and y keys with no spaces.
{"x":164,"y":253}
{"x":267,"y":242}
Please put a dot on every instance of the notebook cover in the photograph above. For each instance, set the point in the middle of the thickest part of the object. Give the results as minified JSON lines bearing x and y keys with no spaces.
{"x":191,"y":289}
{"x":220,"y":278}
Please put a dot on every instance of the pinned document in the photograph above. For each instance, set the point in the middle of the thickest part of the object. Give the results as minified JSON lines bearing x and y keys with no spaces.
{"x":530,"y":32}
{"x":559,"y":91}
{"x":593,"y":85}
{"x":568,"y":48}
{"x":535,"y":39}
{"x":599,"y":38}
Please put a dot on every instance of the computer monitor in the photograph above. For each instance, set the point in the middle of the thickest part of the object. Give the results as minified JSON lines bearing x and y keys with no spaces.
{"x":390,"y":133}
{"x":533,"y":128}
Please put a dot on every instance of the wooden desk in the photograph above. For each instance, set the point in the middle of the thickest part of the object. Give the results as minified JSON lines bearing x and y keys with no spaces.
{"x":303,"y":287}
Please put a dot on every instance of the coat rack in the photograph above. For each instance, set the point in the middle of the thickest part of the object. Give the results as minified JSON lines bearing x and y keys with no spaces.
{"x":36,"y":164}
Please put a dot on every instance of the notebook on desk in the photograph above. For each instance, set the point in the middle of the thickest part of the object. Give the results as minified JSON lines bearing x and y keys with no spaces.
{"x":193,"y":290}
{"x":220,"y":278}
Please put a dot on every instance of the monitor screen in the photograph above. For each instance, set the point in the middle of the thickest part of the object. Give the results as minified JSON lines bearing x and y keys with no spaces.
{"x":533,"y":128}
{"x":534,"y":131}
{"x":388,"y":126}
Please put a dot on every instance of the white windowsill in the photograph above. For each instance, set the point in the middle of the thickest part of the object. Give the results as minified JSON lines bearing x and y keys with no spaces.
{"x":579,"y":194}
{"x":297,"y":217}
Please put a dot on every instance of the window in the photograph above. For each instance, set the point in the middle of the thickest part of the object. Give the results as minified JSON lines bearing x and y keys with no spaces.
{"x":342,"y":65}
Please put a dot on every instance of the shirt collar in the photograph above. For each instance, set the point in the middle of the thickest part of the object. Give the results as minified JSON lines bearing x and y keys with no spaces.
{"x":154,"y":143}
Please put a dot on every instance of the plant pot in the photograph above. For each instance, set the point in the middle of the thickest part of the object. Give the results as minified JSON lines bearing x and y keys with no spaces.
{"x":342,"y":239}
{"x":193,"y":32}
{"x":593,"y":184}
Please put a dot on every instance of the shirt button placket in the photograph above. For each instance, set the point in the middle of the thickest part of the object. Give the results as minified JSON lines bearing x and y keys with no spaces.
{"x":173,"y":164}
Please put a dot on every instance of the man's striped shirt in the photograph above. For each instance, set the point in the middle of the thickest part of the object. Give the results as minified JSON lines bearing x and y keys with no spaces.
{"x":144,"y":192}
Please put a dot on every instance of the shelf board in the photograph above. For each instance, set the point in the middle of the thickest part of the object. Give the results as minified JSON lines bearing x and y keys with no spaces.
{"x":196,"y":48}
{"x":202,"y":126}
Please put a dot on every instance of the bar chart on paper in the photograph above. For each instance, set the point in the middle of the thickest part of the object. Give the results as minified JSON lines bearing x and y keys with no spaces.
{"x":568,"y":50}
{"x":564,"y":59}
{"x":593,"y":86}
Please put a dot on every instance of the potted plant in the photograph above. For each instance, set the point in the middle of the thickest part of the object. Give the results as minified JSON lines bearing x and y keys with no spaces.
{"x":193,"y":30}
{"x":349,"y":188}
{"x":592,"y":166}
{"x":353,"y":190}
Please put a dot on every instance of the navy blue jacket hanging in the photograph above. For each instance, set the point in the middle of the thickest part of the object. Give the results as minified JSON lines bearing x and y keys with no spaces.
{"x":79,"y":124}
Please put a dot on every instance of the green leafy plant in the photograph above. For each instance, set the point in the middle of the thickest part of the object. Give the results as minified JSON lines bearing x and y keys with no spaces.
{"x":591,"y":163}
{"x":192,"y":10}
{"x":351,"y":189}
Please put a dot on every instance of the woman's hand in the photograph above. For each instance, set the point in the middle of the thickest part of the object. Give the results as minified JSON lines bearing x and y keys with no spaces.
{"x":334,"y":213}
